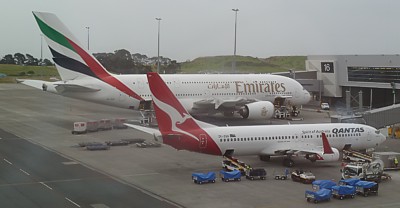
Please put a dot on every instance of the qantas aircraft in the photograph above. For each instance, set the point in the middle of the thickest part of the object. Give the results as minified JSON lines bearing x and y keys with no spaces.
{"x":181,"y":131}
{"x":83,"y":77}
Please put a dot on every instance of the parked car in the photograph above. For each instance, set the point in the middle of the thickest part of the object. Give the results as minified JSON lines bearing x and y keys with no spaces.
{"x":324,"y":106}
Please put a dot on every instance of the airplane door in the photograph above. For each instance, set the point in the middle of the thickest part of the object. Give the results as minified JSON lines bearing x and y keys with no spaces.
{"x":203,"y":141}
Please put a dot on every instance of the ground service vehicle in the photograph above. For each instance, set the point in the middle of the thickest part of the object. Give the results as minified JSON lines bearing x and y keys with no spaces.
{"x":234,"y":175}
{"x":366,"y":188}
{"x":302,"y":176}
{"x":256,"y":174}
{"x":318,"y":196}
{"x":201,"y":178}
{"x":320,"y":184}
{"x":342,"y":192}
{"x":365,"y":171}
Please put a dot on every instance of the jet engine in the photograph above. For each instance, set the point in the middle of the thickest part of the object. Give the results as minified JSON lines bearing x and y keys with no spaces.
{"x":257,"y":110}
{"x":321,"y":157}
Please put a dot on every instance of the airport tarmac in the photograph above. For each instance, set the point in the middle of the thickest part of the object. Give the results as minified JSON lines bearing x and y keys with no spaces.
{"x":163,"y":174}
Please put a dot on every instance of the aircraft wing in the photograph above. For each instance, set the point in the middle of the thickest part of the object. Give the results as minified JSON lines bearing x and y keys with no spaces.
{"x":295,"y":149}
{"x":226,"y":103}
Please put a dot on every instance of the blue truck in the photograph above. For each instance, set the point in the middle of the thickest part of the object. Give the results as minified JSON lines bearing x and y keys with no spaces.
{"x":201,"y":178}
{"x":234,"y":175}
{"x":318,"y":196}
{"x":344,"y":191}
{"x":319,"y":184}
{"x":366,"y":188}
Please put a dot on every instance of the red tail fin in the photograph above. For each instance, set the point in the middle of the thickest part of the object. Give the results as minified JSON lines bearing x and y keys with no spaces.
{"x":326,"y":145}
{"x":176,"y":125}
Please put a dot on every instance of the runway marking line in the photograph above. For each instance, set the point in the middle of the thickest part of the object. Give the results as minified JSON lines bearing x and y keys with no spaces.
{"x":26,"y":173}
{"x":72,"y":202}
{"x":46,"y":185}
{"x":8,"y":161}
{"x":140,"y":174}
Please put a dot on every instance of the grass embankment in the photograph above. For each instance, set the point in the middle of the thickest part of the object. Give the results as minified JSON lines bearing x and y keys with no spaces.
{"x":244,"y":64}
{"x":26,"y":72}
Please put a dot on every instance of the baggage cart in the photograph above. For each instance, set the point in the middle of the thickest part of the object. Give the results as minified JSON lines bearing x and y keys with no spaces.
{"x":227,"y":176}
{"x":319,"y":184}
{"x":349,"y":181}
{"x":341,"y":192}
{"x":318,"y":196}
{"x":256,"y":174}
{"x":367,"y":188}
{"x":201,"y":178}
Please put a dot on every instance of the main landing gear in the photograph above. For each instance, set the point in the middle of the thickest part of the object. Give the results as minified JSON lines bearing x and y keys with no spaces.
{"x":288,"y":162}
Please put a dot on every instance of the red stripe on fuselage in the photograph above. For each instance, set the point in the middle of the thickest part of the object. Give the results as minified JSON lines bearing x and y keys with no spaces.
{"x":101,"y":72}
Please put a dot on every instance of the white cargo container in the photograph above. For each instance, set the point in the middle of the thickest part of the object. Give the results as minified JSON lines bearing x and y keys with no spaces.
{"x":79,"y":128}
{"x":105,"y":124}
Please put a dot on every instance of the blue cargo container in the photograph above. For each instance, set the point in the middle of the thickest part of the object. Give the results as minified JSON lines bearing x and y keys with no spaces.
{"x":318,"y":196}
{"x":349,"y":181}
{"x":342,"y":192}
{"x":319,"y":184}
{"x":366,"y":188}
{"x":234,"y":175}
{"x":201,"y":178}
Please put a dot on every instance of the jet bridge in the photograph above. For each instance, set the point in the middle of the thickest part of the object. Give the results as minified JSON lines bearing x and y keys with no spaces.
{"x":383,"y":117}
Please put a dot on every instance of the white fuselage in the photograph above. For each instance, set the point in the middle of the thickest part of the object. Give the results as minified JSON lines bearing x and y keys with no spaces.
{"x":268,"y":140}
{"x":191,"y":88}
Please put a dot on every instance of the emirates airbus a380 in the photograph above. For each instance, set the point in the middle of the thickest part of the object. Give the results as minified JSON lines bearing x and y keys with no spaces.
{"x":83,"y":77}
{"x":316,"y":142}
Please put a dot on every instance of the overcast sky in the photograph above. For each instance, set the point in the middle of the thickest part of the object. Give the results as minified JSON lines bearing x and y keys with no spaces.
{"x":196,"y":28}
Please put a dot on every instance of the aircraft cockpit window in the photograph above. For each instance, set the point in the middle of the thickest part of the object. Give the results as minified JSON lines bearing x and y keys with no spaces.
{"x":377,"y":131}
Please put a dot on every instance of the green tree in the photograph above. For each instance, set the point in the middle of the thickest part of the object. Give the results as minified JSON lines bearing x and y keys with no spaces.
{"x":7,"y":59}
{"x":19,"y":58}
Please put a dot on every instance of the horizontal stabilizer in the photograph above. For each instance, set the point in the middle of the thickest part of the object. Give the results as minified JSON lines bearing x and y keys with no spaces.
{"x":144,"y":129}
{"x":74,"y":88}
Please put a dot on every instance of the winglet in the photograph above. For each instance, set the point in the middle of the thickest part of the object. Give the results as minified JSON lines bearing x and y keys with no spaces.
{"x":326,"y":145}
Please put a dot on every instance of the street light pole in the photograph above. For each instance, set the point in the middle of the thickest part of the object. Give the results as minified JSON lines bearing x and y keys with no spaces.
{"x":88,"y":28}
{"x":41,"y":48}
{"x":234,"y":48}
{"x":158,"y":46}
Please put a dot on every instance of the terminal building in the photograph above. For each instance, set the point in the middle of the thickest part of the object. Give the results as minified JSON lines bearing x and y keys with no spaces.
{"x":373,"y":78}
{"x":355,"y":85}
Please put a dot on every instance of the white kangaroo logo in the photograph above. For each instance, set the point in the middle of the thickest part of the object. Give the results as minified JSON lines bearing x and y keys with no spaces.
{"x":175,"y":116}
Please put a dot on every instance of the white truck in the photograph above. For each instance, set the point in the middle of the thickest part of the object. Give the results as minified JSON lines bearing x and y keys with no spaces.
{"x":365,"y":171}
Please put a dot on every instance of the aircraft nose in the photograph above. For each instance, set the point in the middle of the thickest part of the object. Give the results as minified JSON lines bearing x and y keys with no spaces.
{"x":383,"y":138}
{"x":307,"y":96}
